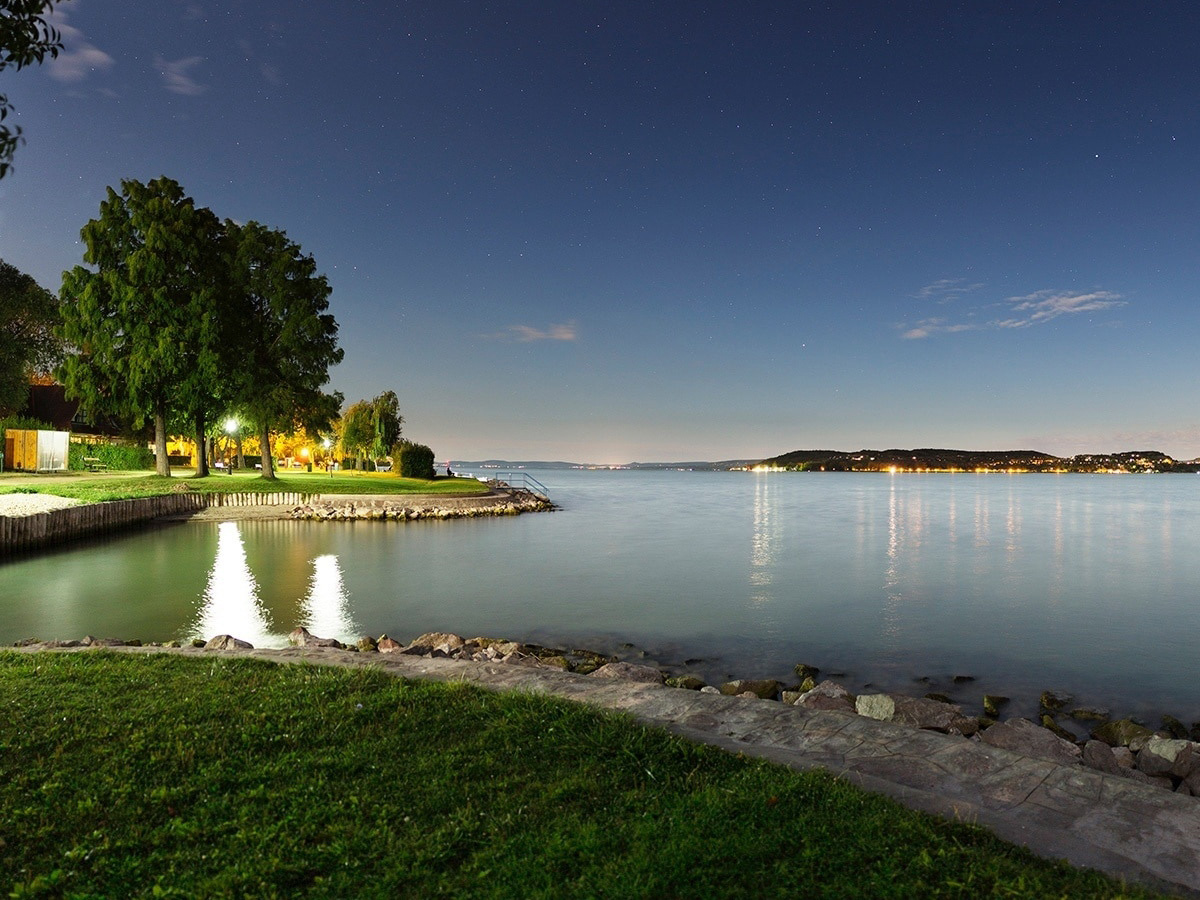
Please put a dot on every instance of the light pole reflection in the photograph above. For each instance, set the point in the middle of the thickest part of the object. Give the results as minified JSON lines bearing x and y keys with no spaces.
{"x":230,"y":603}
{"x":326,"y":608}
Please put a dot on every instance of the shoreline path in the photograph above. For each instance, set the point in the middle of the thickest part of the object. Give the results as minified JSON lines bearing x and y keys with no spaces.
{"x":1090,"y":819}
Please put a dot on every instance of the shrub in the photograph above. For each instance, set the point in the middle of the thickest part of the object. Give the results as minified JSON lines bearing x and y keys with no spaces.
{"x":415,"y":460}
{"x":124,"y":457}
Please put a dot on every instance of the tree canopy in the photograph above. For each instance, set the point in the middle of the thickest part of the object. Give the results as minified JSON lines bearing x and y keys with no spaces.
{"x":372,"y":428}
{"x":183,"y":319}
{"x":143,"y":323}
{"x":26,"y":37}
{"x":28,"y":316}
{"x":288,"y":339}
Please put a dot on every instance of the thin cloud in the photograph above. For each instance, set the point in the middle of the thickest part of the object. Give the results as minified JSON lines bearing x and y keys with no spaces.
{"x":176,"y":75}
{"x":1030,"y":309}
{"x":79,"y":58}
{"x":1042,"y":306}
{"x":947,"y":290}
{"x":929,"y":327}
{"x":524,"y":334}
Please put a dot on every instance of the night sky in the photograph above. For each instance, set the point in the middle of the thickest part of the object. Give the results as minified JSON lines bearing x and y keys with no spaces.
{"x":616,"y":231}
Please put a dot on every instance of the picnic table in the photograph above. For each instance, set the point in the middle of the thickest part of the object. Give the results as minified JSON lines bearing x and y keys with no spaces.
{"x":94,"y":465}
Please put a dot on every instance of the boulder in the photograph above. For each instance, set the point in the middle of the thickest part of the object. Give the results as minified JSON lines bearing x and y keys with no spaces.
{"x":439,"y":640}
{"x":992,"y":704}
{"x":1090,"y":714}
{"x":710,"y":689}
{"x":301,"y":637}
{"x":1124,"y":757}
{"x":875,"y":706}
{"x":1168,"y":756}
{"x":935,"y":715}
{"x":1030,"y":739}
{"x":1120,"y":732}
{"x":227,"y":642}
{"x":1173,"y":727}
{"x":629,"y":672}
{"x":388,"y":645}
{"x":1098,"y":755}
{"x":789,"y":698}
{"x":687,"y":682}
{"x":1050,"y":725}
{"x":766,"y":688}
{"x":1054,"y":701}
{"x":366,"y":644}
{"x":803,"y":670}
{"x":827,"y":695}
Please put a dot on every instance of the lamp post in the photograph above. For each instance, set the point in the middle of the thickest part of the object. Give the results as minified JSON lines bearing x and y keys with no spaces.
{"x":327,"y":444}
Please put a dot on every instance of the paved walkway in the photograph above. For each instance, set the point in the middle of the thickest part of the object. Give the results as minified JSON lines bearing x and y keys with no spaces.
{"x":1090,"y":819}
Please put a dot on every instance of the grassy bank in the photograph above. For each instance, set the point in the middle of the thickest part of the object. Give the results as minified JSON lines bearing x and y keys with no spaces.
{"x":170,"y":776}
{"x":93,"y":488}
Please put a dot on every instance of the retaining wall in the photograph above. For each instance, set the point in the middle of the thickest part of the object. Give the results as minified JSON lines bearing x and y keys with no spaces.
{"x":22,"y":533}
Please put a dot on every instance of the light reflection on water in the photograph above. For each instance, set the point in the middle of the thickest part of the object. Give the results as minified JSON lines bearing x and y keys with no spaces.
{"x":1087,"y":584}
{"x":231,"y":605}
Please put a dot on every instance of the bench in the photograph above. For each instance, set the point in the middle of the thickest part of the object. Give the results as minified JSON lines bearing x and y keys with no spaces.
{"x":94,"y":465}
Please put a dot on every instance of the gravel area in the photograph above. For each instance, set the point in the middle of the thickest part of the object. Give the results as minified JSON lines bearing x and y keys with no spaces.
{"x":29,"y":504}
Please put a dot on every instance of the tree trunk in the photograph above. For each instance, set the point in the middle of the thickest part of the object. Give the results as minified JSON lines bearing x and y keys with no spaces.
{"x":241,"y":459}
{"x":162,"y":465}
{"x":268,"y":462}
{"x":201,"y":448}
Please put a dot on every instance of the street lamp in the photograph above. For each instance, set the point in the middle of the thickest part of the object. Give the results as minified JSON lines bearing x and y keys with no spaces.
{"x":327,"y":443}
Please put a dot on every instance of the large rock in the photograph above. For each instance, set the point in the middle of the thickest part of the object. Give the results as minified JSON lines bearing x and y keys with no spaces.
{"x":827,"y":695}
{"x":1098,"y":755}
{"x":1168,"y":756}
{"x":1121,"y":732}
{"x":875,"y":706}
{"x":934,"y":715}
{"x":766,"y":688}
{"x":687,"y":682}
{"x":388,"y":645}
{"x":302,"y":637}
{"x":1030,"y":739}
{"x":227,"y":642}
{"x":436,"y":640}
{"x":629,"y":672}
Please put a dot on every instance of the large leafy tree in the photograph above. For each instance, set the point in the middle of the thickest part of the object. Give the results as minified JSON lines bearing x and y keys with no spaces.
{"x":372,"y":428}
{"x":25,"y":38}
{"x":357,"y":430}
{"x":28,"y":315}
{"x":288,"y":339}
{"x":386,"y":422}
{"x":145,"y":321}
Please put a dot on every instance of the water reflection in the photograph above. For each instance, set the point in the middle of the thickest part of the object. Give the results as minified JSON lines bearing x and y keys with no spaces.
{"x":764,"y":545}
{"x":325,"y":611}
{"x":231,"y":603}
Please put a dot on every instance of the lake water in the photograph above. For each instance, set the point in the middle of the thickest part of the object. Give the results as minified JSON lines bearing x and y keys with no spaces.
{"x":1089,"y":584}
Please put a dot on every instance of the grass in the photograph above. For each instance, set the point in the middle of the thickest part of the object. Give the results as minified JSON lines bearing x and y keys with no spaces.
{"x":169,"y":776}
{"x":96,"y":488}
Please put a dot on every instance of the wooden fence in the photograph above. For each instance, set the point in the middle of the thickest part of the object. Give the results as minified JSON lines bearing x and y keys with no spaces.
{"x":23,"y":533}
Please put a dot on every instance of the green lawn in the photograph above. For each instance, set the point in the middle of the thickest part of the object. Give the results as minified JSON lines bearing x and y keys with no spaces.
{"x":161,"y":776}
{"x":120,"y":486}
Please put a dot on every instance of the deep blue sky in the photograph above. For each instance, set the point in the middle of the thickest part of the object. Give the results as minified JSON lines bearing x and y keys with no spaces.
{"x":615,"y":231}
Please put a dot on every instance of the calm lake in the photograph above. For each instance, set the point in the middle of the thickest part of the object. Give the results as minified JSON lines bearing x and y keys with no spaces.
{"x":1089,"y":584}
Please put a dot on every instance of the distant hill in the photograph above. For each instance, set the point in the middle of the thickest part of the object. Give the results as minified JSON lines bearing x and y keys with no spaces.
{"x":940,"y":460}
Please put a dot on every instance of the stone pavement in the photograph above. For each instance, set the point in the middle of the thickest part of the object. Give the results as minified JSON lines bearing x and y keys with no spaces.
{"x":1140,"y":833}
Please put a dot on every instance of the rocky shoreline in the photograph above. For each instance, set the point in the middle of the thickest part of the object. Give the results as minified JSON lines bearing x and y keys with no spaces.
{"x":398,"y":507}
{"x":1167,"y":758}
